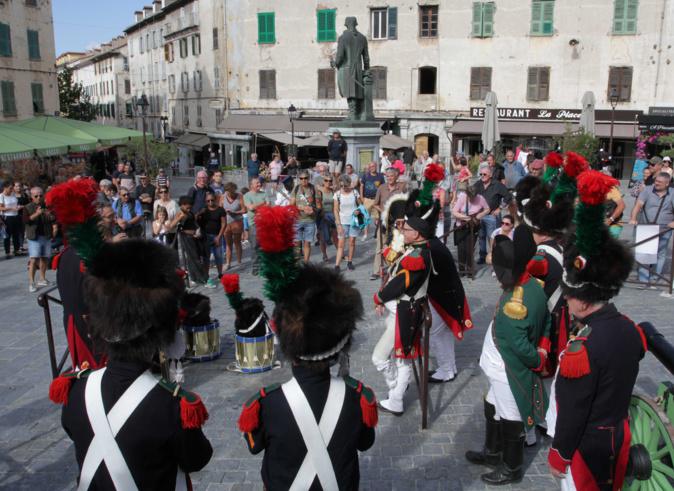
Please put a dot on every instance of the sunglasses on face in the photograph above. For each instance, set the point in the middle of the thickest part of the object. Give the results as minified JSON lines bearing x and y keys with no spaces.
{"x":210,"y":200}
{"x":162,"y":192}
{"x":651,"y":165}
{"x":37,"y":196}
{"x":124,"y":195}
{"x":304,"y":178}
{"x":507,"y":224}
{"x":327,"y":180}
{"x":483,"y":175}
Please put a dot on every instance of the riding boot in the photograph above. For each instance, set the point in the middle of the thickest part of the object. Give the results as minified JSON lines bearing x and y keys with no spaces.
{"x":394,"y":403}
{"x":491,"y":452}
{"x":510,"y":470}
{"x":388,"y":368}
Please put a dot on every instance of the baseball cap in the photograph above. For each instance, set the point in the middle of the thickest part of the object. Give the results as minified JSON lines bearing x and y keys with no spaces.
{"x":667,"y":159}
{"x":655,"y":160}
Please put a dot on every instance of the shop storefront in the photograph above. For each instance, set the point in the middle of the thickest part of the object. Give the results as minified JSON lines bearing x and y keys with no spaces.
{"x":538,"y":130}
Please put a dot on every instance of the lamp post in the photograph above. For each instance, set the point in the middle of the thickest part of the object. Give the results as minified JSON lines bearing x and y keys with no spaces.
{"x":143,"y":104}
{"x":613,"y":99}
{"x":164,"y":125}
{"x":292,"y":115}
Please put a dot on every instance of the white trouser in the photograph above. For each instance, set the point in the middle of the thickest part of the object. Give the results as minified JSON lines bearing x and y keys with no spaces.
{"x":442,"y":347}
{"x":567,"y":484}
{"x":501,"y":397}
{"x":397,"y":372}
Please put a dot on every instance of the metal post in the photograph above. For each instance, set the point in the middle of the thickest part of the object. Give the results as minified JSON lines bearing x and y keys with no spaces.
{"x":292,"y":136}
{"x":610,"y":139}
{"x":144,"y":144}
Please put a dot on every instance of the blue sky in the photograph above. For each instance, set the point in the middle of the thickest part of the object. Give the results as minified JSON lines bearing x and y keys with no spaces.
{"x":83,"y":24}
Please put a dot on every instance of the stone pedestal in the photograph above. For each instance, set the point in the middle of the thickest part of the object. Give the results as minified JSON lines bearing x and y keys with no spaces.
{"x":362,"y":139}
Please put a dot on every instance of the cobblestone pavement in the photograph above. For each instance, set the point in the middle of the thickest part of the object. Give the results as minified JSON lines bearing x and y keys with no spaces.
{"x":36,"y":454}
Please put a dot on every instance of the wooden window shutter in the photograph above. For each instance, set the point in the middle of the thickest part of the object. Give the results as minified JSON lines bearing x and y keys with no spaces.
{"x":393,"y":22}
{"x":488,"y":19}
{"x":477,"y":19}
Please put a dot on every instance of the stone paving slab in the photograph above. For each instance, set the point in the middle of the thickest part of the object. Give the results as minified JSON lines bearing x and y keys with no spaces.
{"x":35,"y":453}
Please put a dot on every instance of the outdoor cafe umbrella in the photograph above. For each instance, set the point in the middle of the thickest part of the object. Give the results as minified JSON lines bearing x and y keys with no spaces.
{"x":490,"y":132}
{"x":587,"y":116}
{"x":104,"y":134}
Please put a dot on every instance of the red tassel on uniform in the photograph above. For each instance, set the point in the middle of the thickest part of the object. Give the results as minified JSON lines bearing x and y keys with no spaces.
{"x":192,"y":414}
{"x":55,"y":261}
{"x":575,"y":364}
{"x":369,"y":410}
{"x":249,"y":419}
{"x":538,"y":268}
{"x":59,"y":389}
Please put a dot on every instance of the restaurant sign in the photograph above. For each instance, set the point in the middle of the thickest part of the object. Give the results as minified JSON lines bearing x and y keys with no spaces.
{"x":530,"y":113}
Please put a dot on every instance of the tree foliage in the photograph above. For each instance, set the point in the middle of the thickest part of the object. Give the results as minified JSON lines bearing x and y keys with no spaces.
{"x":159,"y":154}
{"x":74,"y":101}
{"x":585,"y":144}
{"x":667,"y":141}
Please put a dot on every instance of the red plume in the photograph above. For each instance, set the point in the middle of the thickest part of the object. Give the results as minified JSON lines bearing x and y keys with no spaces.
{"x":275,"y":227}
{"x":73,"y":202}
{"x":593,"y":187}
{"x":575,"y":164}
{"x":434,"y":172}
{"x":231,"y":283}
{"x":554,"y":159}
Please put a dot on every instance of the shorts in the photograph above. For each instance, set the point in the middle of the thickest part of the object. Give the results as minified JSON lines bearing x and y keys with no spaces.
{"x":349,"y":231}
{"x":245,"y":222}
{"x":305,"y":231}
{"x":40,"y":247}
{"x":335,"y":166}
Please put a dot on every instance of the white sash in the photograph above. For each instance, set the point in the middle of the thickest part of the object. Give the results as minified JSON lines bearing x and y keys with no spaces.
{"x":551,"y":251}
{"x":103,"y":446}
{"x":316,"y":436}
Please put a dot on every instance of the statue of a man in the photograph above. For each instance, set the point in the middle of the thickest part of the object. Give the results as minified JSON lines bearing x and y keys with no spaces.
{"x":353,"y":62}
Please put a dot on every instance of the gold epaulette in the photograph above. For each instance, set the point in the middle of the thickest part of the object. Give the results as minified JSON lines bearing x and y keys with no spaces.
{"x":515,"y":308}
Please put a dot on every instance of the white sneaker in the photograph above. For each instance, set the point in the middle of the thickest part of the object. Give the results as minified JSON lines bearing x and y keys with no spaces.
{"x":32,"y":288}
{"x":43,"y":283}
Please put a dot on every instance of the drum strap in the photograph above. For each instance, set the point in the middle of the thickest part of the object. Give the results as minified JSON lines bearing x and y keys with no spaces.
{"x":316,"y":436}
{"x":103,"y":447}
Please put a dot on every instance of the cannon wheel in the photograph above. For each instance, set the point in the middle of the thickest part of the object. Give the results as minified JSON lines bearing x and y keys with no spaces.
{"x":651,"y":428}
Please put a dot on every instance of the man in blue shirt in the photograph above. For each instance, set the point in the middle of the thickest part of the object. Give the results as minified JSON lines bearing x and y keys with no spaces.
{"x":369,"y":182}
{"x":513,"y":170}
{"x":129,"y":214}
{"x":253,"y":166}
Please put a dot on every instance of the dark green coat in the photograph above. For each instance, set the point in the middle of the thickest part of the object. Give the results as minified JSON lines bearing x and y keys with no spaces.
{"x":517,"y":341}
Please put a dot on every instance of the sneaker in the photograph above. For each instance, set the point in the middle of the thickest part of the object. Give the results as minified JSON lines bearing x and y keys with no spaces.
{"x":32,"y":288}
{"x":245,"y":244}
{"x":364,"y":238}
{"x":210,"y":283}
{"x":374,"y":276}
{"x":43,"y":283}
{"x":350,"y":266}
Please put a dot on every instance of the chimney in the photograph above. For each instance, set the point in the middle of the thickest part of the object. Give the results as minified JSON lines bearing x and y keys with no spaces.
{"x":147,"y":12}
{"x":138,"y":15}
{"x":156,"y":6}
{"x":163,"y":4}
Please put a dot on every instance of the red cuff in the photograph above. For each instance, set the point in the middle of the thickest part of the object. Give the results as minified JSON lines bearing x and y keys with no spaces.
{"x":544,"y":343}
{"x":556,"y":461}
{"x":542,"y":357}
{"x":377,"y":300}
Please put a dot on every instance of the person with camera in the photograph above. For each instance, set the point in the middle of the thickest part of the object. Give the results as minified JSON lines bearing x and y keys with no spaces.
{"x":40,"y":228}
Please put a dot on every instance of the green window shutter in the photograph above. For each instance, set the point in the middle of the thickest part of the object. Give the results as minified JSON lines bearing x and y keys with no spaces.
{"x":488,"y":19}
{"x":325,"y":20}
{"x":8,"y":101}
{"x":33,"y":45}
{"x":536,"y":14}
{"x":266,"y":32}
{"x":5,"y":40}
{"x":619,"y":16}
{"x":477,"y":19}
{"x":547,"y":20}
{"x":393,"y":22}
{"x":631,"y":16}
{"x":38,"y":99}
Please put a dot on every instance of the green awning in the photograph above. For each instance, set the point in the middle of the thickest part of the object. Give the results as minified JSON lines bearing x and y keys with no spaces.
{"x":18,"y":143}
{"x":105,"y":135}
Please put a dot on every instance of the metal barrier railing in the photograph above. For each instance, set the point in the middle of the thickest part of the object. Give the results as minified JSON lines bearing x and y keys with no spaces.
{"x":43,"y":301}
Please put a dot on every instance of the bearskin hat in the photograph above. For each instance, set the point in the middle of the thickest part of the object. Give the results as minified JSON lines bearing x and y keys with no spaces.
{"x":316,"y":315}
{"x":510,"y":257}
{"x":595,"y":264}
{"x":196,"y":309}
{"x":523,"y":190}
{"x":422,"y":217}
{"x":132,"y":291}
{"x":545,"y":216}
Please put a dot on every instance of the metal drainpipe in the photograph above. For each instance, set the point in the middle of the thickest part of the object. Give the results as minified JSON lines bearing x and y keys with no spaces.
{"x":659,"y":59}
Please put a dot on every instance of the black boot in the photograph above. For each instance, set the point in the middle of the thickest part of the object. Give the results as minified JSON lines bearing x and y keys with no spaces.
{"x":510,"y":469}
{"x":491,"y":453}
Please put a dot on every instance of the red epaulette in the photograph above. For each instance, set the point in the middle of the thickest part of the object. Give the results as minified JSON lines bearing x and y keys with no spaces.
{"x":249,"y":419}
{"x":59,"y":389}
{"x":193,"y":412}
{"x":538,"y":265}
{"x":413,"y":261}
{"x":368,"y":401}
{"x":575,"y":362}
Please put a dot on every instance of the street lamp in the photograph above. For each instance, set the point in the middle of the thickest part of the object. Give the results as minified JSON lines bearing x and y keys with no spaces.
{"x":143,"y":104}
{"x":292,"y":115}
{"x":613,"y":99}
{"x":164,"y":125}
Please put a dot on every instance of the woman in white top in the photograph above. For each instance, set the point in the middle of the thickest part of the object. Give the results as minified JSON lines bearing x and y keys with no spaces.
{"x":160,"y":225}
{"x":10,"y":209}
{"x":345,"y":204}
{"x":164,"y":200}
